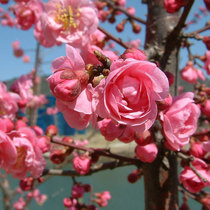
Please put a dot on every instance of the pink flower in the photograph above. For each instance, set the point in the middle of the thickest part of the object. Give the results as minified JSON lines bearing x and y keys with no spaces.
{"x":69,"y":21}
{"x":180,"y":121}
{"x":190,"y":74}
{"x":135,"y":54}
{"x":39,"y":197}
{"x":77,"y":191}
{"x":6,"y":125}
{"x":97,"y":38}
{"x":20,"y":204}
{"x":130,"y":93}
{"x":26,"y":59}
{"x":147,"y":153}
{"x":8,"y":151}
{"x":207,"y":62}
{"x":8,"y":103}
{"x":173,"y":6}
{"x":102,"y":198}
{"x":52,"y":110}
{"x":196,"y":149}
{"x":43,"y":142}
{"x":205,"y":108}
{"x":109,"y":130}
{"x":82,"y":164}
{"x":24,"y":15}
{"x":77,"y":108}
{"x":29,"y":156}
{"x":191,"y":181}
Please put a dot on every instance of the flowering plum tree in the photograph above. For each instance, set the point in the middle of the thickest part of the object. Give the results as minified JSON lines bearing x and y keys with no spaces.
{"x":131,"y":95}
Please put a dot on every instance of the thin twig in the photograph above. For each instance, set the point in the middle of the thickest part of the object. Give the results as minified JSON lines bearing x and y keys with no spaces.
{"x":115,"y":7}
{"x":110,"y":36}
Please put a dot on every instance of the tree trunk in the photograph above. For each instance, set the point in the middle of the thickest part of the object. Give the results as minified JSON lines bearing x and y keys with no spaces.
{"x":160,"y":177}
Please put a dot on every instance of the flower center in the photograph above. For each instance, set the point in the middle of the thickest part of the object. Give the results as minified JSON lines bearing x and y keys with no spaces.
{"x":66,"y":16}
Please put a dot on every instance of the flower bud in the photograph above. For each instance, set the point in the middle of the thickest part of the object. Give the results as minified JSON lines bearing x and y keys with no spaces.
{"x":196,"y":150}
{"x":135,"y":176}
{"x":136,"y":28}
{"x":51,"y":131}
{"x":67,"y":202}
{"x":18,"y":53}
{"x":170,"y":77}
{"x":166,"y":103}
{"x":206,"y":41}
{"x":58,"y":156}
{"x":82,"y":164}
{"x":205,"y":108}
{"x":77,"y":191}
{"x":27,"y":183}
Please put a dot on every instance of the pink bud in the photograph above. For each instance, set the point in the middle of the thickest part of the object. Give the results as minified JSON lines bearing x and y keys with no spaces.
{"x":51,"y":131}
{"x":206,"y":107}
{"x":196,"y":150}
{"x":26,"y":184}
{"x":144,"y":138}
{"x":18,"y":53}
{"x":166,"y":103}
{"x":147,"y":153}
{"x":82,"y":164}
{"x":170,"y":77}
{"x":135,"y":176}
{"x":26,"y":59}
{"x":206,"y":41}
{"x":43,"y":143}
{"x":136,"y":28}
{"x":20,"y":124}
{"x":67,"y":202}
{"x":77,"y":191}
{"x":58,"y":156}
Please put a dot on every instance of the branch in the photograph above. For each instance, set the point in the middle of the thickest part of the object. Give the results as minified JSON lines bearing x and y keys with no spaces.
{"x":111,"y":4}
{"x":110,"y":36}
{"x":97,"y":168}
{"x":205,"y":28}
{"x":100,"y":152}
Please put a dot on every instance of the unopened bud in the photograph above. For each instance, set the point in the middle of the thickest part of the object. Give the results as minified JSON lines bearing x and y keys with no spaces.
{"x":58,"y":156}
{"x":51,"y":131}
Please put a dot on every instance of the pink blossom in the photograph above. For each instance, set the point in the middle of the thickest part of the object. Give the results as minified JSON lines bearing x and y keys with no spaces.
{"x":39,"y":197}
{"x":135,"y":54}
{"x":69,"y":21}
{"x":191,"y":74}
{"x":26,"y":59}
{"x":207,"y":62}
{"x":43,"y":142}
{"x":147,"y":153}
{"x":206,"y":146}
{"x":205,"y":108}
{"x":131,"y":10}
{"x":38,"y":130}
{"x":98,"y":38}
{"x":29,"y":156}
{"x":24,"y":15}
{"x":77,"y":191}
{"x":180,"y":121}
{"x":102,"y":198}
{"x":6,"y":125}
{"x":16,"y":45}
{"x":191,"y":181}
{"x":52,"y":110}
{"x":173,"y":6}
{"x":79,"y":107}
{"x":196,"y":149}
{"x":7,"y":150}
{"x":130,"y":93}
{"x":20,"y":204}
{"x":110,"y":130}
{"x":134,"y":43}
{"x":82,"y":164}
{"x":8,"y":103}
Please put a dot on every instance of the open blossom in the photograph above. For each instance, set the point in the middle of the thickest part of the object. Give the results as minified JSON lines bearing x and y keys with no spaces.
{"x":29,"y":156}
{"x":8,"y":103}
{"x":191,"y":74}
{"x":180,"y":121}
{"x":102,"y":198}
{"x":191,"y":181}
{"x":69,"y":21}
{"x":8,"y":151}
{"x":130,"y":93}
{"x":74,"y":102}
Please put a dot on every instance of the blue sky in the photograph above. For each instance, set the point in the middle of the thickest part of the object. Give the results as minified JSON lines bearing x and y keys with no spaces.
{"x":11,"y":67}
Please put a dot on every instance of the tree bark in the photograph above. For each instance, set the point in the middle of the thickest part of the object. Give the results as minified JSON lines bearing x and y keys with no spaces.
{"x":160,"y":177}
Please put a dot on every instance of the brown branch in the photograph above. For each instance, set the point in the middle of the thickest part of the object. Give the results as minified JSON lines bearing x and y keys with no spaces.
{"x":173,"y":39}
{"x":94,"y":169}
{"x":100,"y":152}
{"x":205,"y":28}
{"x":112,"y":37}
{"x":113,"y":6}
